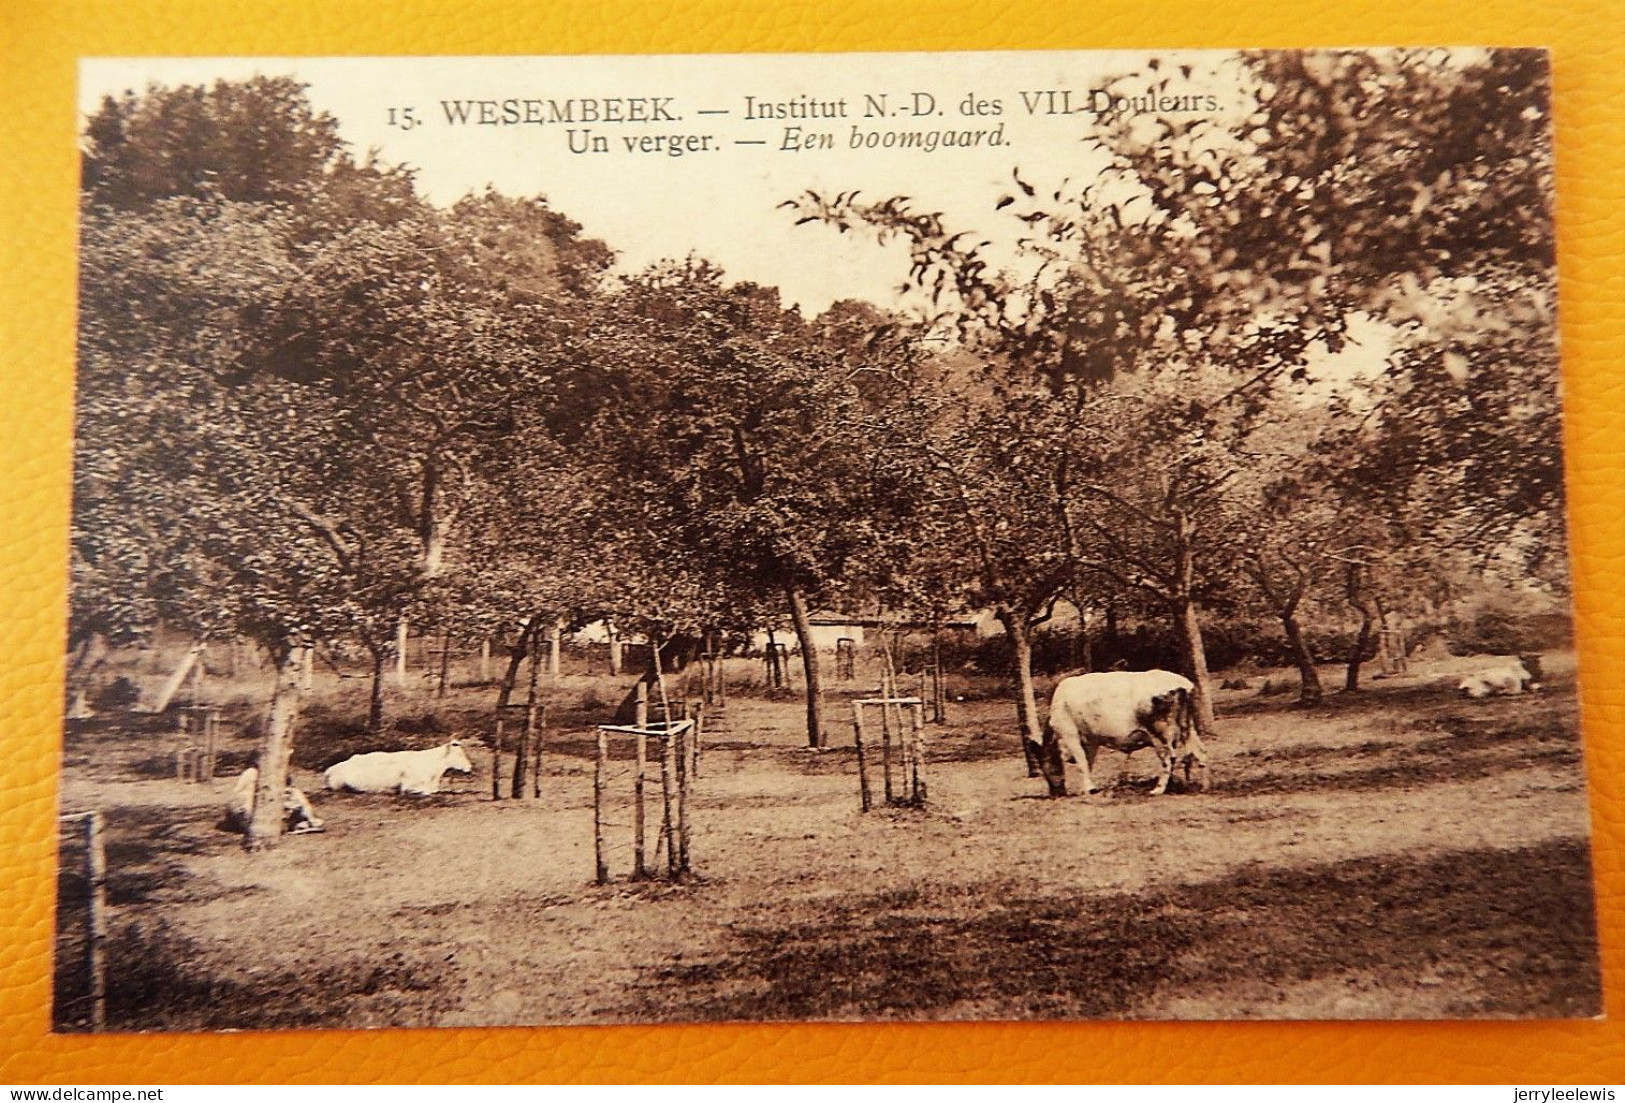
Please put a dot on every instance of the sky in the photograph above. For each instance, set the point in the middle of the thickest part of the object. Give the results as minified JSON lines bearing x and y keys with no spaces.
{"x":731,"y":118}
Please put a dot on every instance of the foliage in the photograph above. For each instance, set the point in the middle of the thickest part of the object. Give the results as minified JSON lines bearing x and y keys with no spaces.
{"x":312,"y":404}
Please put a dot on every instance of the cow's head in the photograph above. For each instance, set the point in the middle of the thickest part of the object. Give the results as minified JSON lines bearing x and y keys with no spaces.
{"x":457,"y":759}
{"x":1165,"y":715}
{"x":1174,"y":715}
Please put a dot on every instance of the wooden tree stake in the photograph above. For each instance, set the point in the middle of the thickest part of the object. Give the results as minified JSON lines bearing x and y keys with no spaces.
{"x":668,"y":771}
{"x":684,"y":749}
{"x":639,"y":851}
{"x":598,"y":785}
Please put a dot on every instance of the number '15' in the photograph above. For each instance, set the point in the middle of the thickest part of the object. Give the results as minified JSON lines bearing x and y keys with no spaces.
{"x":402,"y":117}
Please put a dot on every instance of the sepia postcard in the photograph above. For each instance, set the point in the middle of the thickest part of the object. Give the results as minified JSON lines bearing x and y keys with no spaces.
{"x":981,"y":536}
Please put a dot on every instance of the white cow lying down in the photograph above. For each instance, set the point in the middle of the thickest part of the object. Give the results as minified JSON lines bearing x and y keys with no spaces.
{"x":301,"y":816}
{"x":1124,"y":710}
{"x":399,"y":771}
{"x":1509,"y":677}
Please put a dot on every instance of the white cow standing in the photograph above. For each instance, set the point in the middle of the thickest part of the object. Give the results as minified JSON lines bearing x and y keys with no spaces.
{"x":416,"y":772}
{"x":1123,"y":710}
{"x":1509,"y":678}
{"x":301,"y":817}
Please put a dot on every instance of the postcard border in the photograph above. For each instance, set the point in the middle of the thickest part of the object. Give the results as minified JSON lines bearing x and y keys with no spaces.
{"x":38,"y":72}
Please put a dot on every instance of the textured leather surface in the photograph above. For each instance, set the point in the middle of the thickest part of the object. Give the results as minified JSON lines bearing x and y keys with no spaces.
{"x":41,"y":41}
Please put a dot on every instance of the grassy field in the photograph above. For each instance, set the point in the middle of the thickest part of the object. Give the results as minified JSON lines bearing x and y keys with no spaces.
{"x":1400,"y":852}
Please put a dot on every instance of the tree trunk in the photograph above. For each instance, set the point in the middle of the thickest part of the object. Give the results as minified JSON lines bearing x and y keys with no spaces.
{"x":1355,"y":592}
{"x":1021,"y":679}
{"x":178,"y":678}
{"x":527,"y":730}
{"x":770,"y":662}
{"x":554,"y":643}
{"x":809,"y":663}
{"x":614,"y":652}
{"x":375,"y":707}
{"x":445,"y":662}
{"x":402,"y":637}
{"x":276,"y":748}
{"x":431,"y":526}
{"x":1309,"y":692}
{"x":516,"y":658}
{"x":88,"y":658}
{"x":1189,"y":628}
{"x":1351,"y":680}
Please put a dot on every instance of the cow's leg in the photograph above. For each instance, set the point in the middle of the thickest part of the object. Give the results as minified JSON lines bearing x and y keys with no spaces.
{"x":1088,"y":767}
{"x":301,"y":811}
{"x":1070,"y":745}
{"x":1165,"y":760}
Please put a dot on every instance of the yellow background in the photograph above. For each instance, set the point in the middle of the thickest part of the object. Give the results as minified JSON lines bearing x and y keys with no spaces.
{"x":41,"y":41}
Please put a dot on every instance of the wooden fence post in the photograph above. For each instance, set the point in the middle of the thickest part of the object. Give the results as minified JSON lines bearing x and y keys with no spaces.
{"x":918,"y":757}
{"x":863,"y":767}
{"x":598,"y":783}
{"x":496,"y":761}
{"x":211,"y":742}
{"x":96,"y":919}
{"x":536,"y":762}
{"x":696,"y":712}
{"x":885,"y":755}
{"x":905,"y":752}
{"x":939,"y":713}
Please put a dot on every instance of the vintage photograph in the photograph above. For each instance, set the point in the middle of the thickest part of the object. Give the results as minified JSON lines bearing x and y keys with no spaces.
{"x":587,"y":540}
